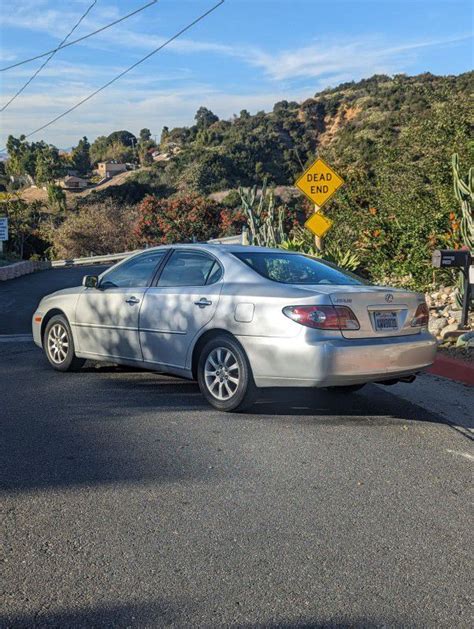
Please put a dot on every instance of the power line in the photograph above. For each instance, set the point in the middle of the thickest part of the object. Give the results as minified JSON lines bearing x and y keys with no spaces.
{"x":33,"y":76}
{"x":119,"y":76}
{"x":76,"y":41}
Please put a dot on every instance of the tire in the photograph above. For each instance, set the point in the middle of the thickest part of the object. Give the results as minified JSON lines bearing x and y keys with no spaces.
{"x":224,"y":375}
{"x":58,"y":345}
{"x":350,"y":388}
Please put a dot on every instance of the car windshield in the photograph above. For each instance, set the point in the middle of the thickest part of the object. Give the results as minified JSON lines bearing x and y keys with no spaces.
{"x":296,"y":268}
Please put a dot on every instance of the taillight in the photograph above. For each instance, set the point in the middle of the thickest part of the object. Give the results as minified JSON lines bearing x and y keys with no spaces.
{"x":422,"y":316}
{"x":323,"y":317}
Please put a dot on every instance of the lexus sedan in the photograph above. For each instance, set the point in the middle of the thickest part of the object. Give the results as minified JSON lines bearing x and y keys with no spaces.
{"x":237,"y":319}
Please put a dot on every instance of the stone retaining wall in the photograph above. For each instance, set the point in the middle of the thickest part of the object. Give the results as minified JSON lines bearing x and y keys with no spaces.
{"x":22,"y":268}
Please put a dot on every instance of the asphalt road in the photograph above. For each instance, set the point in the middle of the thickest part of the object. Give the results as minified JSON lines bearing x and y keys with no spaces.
{"x":128,"y":502}
{"x":19,"y":297}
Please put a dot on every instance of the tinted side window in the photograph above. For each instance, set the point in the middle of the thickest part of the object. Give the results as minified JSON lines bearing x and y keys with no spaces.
{"x":215,"y":274}
{"x":295,"y":268}
{"x":187,"y":268}
{"x":135,"y":272}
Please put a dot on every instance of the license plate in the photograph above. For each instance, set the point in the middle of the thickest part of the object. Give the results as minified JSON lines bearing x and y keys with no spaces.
{"x":385,"y":320}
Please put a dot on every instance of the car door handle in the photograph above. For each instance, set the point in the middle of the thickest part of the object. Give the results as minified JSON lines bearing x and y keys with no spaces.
{"x":202,"y":303}
{"x":132,"y":300}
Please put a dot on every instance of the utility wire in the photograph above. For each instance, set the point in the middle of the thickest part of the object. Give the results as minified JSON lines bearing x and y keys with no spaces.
{"x":119,"y":76}
{"x":76,"y":41}
{"x":33,"y":76}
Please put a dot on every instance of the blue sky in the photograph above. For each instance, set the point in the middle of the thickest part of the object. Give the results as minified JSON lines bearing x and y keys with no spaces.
{"x":247,"y":54}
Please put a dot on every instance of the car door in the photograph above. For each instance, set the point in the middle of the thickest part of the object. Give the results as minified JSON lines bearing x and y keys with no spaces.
{"x":106,"y":322}
{"x":183,"y":301}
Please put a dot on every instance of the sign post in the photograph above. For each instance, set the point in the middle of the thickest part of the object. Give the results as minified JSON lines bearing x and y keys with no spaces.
{"x":3,"y":231}
{"x":319,"y":182}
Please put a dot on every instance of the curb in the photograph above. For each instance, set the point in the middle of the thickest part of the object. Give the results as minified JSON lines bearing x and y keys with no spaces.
{"x":453,"y":369}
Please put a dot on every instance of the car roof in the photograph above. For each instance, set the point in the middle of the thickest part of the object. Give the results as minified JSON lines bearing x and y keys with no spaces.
{"x":220,"y":247}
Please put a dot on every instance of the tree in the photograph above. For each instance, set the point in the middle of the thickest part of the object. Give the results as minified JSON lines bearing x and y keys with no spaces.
{"x":98,"y":149}
{"x":48,"y":164}
{"x":56,"y":198}
{"x":23,"y":220}
{"x":204,"y":118}
{"x":145,"y":135}
{"x":80,"y":157}
{"x":21,"y":157}
{"x":119,"y":152}
{"x":124,"y":137}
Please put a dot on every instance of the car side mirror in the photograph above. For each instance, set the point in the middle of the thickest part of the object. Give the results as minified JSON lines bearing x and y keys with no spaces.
{"x":90,"y":281}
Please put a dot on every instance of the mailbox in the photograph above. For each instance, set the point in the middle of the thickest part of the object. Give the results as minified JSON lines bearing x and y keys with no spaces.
{"x":457,"y":259}
{"x":454,"y":258}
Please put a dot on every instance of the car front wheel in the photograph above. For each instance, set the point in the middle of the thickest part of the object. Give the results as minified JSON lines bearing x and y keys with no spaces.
{"x":59,"y":345}
{"x":224,"y":375}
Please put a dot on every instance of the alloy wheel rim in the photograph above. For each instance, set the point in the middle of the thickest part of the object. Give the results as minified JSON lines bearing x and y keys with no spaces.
{"x":222,"y":373}
{"x":58,"y":343}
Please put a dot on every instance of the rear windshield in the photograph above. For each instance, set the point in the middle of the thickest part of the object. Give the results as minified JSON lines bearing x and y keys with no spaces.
{"x":296,"y":268}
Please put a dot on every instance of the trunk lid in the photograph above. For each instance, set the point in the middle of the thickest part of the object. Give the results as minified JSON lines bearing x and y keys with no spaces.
{"x":381,"y":311}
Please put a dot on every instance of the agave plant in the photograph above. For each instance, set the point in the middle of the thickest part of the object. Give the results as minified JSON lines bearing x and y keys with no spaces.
{"x":264,"y":221}
{"x":303,"y":241}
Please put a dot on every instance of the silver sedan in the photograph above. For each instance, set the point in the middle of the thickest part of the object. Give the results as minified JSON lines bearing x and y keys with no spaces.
{"x":238,"y":319}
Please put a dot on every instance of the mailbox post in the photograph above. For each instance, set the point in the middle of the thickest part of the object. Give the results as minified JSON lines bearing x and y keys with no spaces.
{"x":456,"y":259}
{"x":3,"y":231}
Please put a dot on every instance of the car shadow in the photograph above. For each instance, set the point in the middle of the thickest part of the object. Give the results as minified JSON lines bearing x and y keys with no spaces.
{"x":180,"y":614}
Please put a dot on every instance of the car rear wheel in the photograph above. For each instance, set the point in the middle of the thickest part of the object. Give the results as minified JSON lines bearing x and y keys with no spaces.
{"x":59,"y":345}
{"x":224,"y":375}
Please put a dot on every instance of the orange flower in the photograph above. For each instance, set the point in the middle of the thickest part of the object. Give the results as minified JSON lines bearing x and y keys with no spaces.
{"x":376,"y":233}
{"x":452,"y":216}
{"x":373,"y":210}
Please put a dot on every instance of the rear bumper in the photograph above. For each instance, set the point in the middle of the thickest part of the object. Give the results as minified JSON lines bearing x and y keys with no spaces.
{"x":298,"y":362}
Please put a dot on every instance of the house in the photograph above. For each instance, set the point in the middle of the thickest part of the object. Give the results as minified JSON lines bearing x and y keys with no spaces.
{"x":71,"y":182}
{"x":110,"y":169}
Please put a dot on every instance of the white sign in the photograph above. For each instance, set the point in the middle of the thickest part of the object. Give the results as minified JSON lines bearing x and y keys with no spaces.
{"x":3,"y":228}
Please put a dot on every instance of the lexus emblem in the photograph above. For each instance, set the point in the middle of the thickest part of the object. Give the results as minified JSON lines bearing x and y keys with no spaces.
{"x":389,"y":298}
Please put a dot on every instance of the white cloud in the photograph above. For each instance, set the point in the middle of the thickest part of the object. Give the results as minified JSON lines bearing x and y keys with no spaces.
{"x":358,"y":57}
{"x":121,"y":109}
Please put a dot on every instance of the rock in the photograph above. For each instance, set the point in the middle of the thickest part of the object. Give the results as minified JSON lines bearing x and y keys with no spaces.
{"x":443,"y":297}
{"x":466,"y":339}
{"x":451,"y":331}
{"x":455,"y":314}
{"x":447,"y":290}
{"x":436,"y":325}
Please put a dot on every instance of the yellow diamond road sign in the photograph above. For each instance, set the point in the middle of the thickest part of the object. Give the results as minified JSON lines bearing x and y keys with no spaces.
{"x":318,"y":224}
{"x":319,"y":182}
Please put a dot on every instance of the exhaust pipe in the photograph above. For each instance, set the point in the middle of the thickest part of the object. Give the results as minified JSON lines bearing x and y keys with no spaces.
{"x":407,"y":379}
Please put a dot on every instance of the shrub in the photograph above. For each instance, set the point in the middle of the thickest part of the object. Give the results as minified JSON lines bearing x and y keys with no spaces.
{"x":182,"y":218}
{"x":98,"y":228}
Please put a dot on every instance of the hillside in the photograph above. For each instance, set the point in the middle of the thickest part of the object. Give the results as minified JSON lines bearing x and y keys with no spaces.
{"x":351,"y":125}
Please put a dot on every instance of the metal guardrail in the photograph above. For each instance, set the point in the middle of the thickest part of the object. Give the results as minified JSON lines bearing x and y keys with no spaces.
{"x":110,"y":257}
{"x":115,"y":257}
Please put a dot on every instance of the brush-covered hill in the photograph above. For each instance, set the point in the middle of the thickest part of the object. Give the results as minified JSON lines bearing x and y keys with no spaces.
{"x":353,"y":125}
